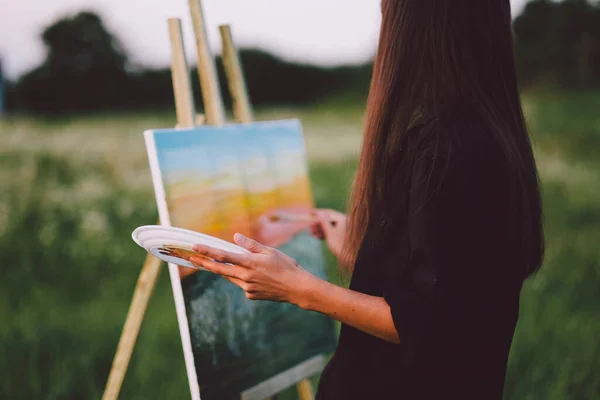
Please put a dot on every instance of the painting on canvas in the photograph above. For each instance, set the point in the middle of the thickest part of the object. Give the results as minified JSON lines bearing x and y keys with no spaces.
{"x":241,"y":178}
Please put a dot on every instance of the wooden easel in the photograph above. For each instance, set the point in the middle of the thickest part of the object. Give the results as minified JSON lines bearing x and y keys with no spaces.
{"x":187,"y":118}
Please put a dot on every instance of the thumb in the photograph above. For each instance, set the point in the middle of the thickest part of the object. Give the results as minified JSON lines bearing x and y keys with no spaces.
{"x":248,"y":244}
{"x":323,"y":216}
{"x":327,"y":220}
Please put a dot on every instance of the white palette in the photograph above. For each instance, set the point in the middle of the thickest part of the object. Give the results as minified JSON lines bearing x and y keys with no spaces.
{"x":173,"y":245}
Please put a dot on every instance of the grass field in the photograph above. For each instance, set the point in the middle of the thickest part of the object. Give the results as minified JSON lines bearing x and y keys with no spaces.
{"x":72,"y":190}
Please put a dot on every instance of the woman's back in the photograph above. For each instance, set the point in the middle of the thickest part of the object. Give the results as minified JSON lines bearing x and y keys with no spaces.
{"x":445,"y":218}
{"x":443,"y":254}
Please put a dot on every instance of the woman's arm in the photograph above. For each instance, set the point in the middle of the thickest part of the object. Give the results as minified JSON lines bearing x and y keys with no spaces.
{"x":268,"y":274}
{"x":367,"y":313}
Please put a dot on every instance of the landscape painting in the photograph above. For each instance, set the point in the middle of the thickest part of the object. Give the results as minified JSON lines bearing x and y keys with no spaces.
{"x":252,"y":179}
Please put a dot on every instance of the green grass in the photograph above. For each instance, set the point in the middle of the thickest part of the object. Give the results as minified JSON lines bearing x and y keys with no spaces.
{"x":72,"y":190}
{"x":556,"y":352}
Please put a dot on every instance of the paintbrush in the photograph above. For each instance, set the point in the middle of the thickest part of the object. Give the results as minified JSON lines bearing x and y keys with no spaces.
{"x":286,"y":217}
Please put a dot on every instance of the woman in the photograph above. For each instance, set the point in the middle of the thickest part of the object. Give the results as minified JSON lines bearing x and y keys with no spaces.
{"x":445,"y":220}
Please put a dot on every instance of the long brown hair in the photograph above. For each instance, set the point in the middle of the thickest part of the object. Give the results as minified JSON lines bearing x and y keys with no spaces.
{"x":432,"y":53}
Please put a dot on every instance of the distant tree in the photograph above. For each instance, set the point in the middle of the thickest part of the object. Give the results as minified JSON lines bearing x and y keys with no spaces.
{"x":85,"y":69}
{"x":271,"y":80}
{"x":559,"y":43}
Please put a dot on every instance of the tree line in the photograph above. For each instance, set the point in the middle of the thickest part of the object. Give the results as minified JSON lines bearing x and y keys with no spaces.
{"x":87,"y":69}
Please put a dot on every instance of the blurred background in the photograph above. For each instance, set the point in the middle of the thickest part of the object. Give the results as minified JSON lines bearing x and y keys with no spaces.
{"x":81,"y":80}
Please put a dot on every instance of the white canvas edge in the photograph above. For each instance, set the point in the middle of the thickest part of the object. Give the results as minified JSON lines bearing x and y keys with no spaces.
{"x":285,"y":379}
{"x":182,"y":321}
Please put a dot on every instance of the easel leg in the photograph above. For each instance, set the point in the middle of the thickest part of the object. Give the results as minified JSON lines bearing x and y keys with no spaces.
{"x":305,"y":390}
{"x":135,"y":315}
{"x":184,"y":105}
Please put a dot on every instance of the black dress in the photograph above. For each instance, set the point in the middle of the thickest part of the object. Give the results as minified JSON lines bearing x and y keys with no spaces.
{"x":444,"y":256}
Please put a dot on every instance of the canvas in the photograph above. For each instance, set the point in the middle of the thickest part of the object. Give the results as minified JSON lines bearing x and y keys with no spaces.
{"x":235,"y":178}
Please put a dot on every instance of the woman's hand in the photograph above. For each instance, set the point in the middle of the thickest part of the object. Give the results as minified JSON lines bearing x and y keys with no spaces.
{"x":268,"y":274}
{"x":264,"y":273}
{"x":331,"y":226}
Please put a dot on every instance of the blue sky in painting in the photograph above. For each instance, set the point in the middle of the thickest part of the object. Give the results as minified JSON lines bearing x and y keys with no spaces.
{"x":207,"y":151}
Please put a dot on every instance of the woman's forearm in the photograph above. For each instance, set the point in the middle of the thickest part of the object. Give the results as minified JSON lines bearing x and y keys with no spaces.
{"x":367,"y":313}
{"x":268,"y":274}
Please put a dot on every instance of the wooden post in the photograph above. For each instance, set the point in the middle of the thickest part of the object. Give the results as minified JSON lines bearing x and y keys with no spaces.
{"x":209,"y":81}
{"x":305,"y":390}
{"x":184,"y":105}
{"x":133,"y":322}
{"x":182,"y":87}
{"x":242,"y":110}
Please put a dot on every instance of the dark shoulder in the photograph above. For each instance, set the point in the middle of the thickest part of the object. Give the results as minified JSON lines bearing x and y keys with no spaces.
{"x":454,"y":151}
{"x":459,"y":142}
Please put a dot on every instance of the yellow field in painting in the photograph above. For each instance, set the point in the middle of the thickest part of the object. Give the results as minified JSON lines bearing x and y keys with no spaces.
{"x":222,"y":212}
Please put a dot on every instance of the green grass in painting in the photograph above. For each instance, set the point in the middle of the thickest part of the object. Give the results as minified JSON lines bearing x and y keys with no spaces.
{"x":73,"y":190}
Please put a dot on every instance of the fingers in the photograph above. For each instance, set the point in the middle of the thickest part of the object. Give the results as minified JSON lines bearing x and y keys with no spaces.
{"x":237,"y":275}
{"x":221,"y":255}
{"x":249,"y":244}
{"x":329,"y":218}
{"x":326,"y":222}
{"x":245,"y":286}
{"x":234,"y":274}
{"x":328,"y":225}
{"x":229,"y":271}
{"x":321,"y":215}
{"x":235,"y":281}
{"x":316,"y":230}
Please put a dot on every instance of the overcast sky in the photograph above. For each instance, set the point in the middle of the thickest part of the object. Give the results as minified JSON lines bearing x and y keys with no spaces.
{"x":325,"y":32}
